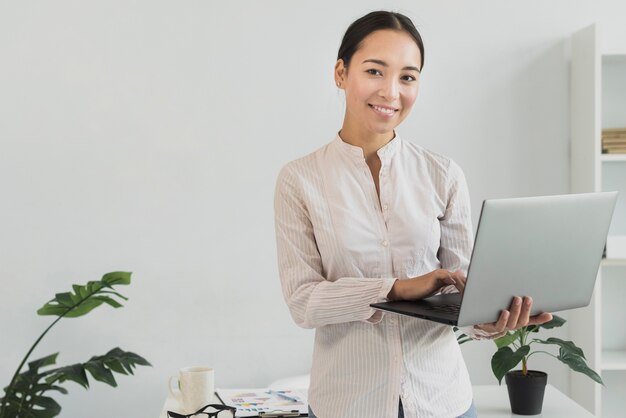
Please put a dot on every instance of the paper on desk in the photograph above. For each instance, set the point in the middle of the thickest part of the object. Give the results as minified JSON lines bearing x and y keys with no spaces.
{"x":250,"y":402}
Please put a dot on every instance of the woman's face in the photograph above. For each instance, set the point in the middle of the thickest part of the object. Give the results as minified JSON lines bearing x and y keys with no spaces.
{"x":381,"y":83}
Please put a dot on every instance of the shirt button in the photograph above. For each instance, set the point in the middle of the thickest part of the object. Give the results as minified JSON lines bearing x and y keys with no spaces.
{"x":385,"y":243}
{"x":385,"y":207}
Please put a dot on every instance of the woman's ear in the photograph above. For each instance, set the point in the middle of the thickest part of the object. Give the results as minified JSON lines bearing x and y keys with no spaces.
{"x":340,"y":73}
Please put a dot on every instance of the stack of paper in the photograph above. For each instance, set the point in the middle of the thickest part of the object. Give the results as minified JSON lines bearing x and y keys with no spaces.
{"x":253,"y":402}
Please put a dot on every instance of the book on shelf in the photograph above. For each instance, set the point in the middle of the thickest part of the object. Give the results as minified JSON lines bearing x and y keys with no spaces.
{"x":621,"y":150}
{"x":614,"y":141}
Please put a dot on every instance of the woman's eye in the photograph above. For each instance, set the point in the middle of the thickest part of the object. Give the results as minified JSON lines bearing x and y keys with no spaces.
{"x":408,"y":78}
{"x":373,"y":72}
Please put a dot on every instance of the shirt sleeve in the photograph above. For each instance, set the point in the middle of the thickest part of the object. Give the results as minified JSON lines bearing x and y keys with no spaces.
{"x":455,"y":247}
{"x":457,"y":238}
{"x":312,"y":300}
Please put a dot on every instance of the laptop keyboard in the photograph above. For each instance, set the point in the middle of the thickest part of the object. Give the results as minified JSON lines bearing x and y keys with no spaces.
{"x":451,"y":309}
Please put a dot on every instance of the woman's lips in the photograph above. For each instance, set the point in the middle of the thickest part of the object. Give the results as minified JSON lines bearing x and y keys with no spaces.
{"x":383,"y":110}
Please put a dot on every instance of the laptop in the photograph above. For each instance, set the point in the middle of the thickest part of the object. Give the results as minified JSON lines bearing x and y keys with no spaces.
{"x":546,"y":247}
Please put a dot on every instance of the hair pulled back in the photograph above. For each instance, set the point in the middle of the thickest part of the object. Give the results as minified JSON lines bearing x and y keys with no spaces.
{"x":372,"y":22}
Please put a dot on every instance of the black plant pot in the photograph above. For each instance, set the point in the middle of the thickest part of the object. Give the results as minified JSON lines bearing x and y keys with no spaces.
{"x":526,"y":392}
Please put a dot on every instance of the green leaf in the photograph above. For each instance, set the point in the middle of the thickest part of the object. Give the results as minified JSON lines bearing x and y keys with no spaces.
{"x":44,"y":387}
{"x":505,"y":359}
{"x":108,"y":300}
{"x":100,"y":373}
{"x":116,"y":278}
{"x":25,"y":398}
{"x":65,"y":299}
{"x":533,"y":328}
{"x":45,"y":407}
{"x":556,"y":322}
{"x":35,"y":365}
{"x":127,"y":359}
{"x":110,"y":292}
{"x":507,"y":339}
{"x":100,"y":367}
{"x":86,"y":298}
{"x":75,"y":373}
{"x":568,"y":347}
{"x":83,"y":308}
{"x":462,"y":338}
{"x":578,"y":364}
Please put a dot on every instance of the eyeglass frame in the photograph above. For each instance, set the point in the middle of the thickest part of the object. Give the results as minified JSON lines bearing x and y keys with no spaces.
{"x":219,"y":407}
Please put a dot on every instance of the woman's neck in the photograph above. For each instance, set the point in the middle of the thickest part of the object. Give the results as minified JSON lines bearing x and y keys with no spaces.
{"x":368,"y":141}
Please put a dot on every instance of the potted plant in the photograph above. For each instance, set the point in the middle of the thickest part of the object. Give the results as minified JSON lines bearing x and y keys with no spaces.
{"x":27,"y":395}
{"x":526,"y":387}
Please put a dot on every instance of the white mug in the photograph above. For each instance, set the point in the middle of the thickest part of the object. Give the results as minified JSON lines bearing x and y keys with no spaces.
{"x":194,"y":389}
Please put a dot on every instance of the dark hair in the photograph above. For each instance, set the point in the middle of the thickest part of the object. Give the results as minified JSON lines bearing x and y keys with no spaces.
{"x":372,"y":22}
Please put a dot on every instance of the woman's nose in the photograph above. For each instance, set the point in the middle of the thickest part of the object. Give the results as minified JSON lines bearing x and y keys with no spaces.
{"x":391,"y":90}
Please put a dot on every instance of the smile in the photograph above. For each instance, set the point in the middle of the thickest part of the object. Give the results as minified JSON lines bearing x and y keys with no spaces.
{"x":383,"y":110}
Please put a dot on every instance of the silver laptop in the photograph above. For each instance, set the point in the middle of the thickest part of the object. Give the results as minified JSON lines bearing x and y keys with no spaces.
{"x":547,"y":247}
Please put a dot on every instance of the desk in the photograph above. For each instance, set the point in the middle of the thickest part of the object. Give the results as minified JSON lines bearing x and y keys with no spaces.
{"x":493,"y":402}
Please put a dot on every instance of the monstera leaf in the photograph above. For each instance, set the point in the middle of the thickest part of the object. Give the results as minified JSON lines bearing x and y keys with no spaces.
{"x":25,"y":396}
{"x":101,"y":368}
{"x":27,"y":399}
{"x":88,"y":297}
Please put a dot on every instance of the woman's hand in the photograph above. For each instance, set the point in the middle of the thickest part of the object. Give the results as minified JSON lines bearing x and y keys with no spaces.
{"x":516,"y":317}
{"x":427,"y":285}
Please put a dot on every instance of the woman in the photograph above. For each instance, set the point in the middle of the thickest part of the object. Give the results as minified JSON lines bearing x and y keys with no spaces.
{"x":371,"y":217}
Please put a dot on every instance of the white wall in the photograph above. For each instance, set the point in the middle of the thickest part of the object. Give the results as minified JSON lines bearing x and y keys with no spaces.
{"x":147,"y":135}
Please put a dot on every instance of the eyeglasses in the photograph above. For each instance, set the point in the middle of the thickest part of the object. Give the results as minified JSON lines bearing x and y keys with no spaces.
{"x":207,"y":411}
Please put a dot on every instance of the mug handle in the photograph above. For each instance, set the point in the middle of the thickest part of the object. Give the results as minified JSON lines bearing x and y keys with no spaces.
{"x":176,"y":393}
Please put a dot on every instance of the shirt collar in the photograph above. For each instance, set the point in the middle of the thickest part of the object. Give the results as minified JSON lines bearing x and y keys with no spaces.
{"x":384,"y":153}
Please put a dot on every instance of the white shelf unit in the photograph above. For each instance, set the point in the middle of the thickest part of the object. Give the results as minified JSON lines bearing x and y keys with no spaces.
{"x":613,"y":360}
{"x":614,"y":262}
{"x":613,"y":157}
{"x":598,"y":100}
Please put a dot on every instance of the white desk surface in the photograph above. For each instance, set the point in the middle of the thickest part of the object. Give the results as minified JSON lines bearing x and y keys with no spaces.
{"x":493,"y":402}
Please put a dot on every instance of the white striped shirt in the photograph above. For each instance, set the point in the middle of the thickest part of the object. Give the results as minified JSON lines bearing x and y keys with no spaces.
{"x":341,"y":247}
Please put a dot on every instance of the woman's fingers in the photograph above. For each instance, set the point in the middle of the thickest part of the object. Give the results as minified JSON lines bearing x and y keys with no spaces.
{"x":542,"y":318}
{"x":459,"y":279}
{"x":516,"y":317}
{"x":524,"y":317}
{"x":515,"y":310}
{"x":444,"y":278}
{"x":499,"y":326}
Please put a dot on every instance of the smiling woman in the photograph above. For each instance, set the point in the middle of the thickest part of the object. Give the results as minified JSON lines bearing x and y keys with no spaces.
{"x":381,"y":82}
{"x":370,"y":217}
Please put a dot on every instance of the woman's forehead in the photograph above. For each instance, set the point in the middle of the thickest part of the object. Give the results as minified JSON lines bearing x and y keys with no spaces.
{"x":390,"y":46}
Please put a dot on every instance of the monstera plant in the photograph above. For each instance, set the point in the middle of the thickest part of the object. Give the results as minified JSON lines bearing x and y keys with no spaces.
{"x":27,"y":395}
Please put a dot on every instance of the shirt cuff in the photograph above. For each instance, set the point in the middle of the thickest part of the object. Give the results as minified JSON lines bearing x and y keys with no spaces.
{"x":377,"y":315}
